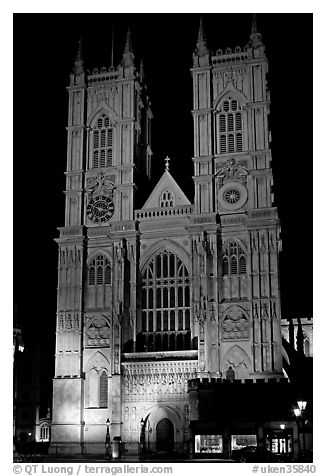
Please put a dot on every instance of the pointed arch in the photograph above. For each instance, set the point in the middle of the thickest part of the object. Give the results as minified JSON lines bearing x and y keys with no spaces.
{"x":234,"y":257}
{"x":166,"y":323}
{"x":97,"y":371}
{"x":103,"y":389}
{"x":98,"y":361}
{"x":229,"y":91}
{"x":229,"y":122}
{"x":99,"y":268}
{"x":101,"y":138}
{"x":167,"y":245}
{"x":156,"y":413}
{"x":94,"y":253}
{"x":238,"y":360}
{"x":102,"y":108}
{"x":237,"y":240}
{"x":92,"y":388}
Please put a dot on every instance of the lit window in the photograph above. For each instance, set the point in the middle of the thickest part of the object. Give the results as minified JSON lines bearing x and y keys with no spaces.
{"x":234,"y":260}
{"x":208,"y":444}
{"x":102,"y":149}
{"x":97,"y":388}
{"x":230,"y":128}
{"x":103,"y":390}
{"x":167,"y":199}
{"x":165,"y":304}
{"x":99,"y":271}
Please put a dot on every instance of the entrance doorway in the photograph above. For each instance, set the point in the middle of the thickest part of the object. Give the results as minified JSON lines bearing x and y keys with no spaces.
{"x":164,"y":435}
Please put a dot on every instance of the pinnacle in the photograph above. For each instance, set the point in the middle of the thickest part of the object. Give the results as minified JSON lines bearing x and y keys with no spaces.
{"x":201,"y":33}
{"x":128,"y":46}
{"x":254,"y":24}
{"x":79,"y":63}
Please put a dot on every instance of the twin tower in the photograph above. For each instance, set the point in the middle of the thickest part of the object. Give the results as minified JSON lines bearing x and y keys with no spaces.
{"x":155,"y":292}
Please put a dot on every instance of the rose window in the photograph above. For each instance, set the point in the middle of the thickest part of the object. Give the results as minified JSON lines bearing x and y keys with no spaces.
{"x":232,"y":196}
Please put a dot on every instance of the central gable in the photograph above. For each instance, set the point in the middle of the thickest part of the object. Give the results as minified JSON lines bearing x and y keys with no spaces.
{"x":167,"y":193}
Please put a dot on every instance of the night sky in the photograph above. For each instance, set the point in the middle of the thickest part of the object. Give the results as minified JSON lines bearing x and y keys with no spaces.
{"x":45,"y":47}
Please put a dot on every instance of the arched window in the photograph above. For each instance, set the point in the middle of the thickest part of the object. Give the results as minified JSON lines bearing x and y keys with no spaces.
{"x":165,"y":304}
{"x":167,"y":199}
{"x":306,"y":345}
{"x":230,"y":127}
{"x":103,"y":390}
{"x":102,"y":143}
{"x":97,"y":387}
{"x":45,"y":432}
{"x":99,"y":271}
{"x":93,"y":390}
{"x":234,"y":260}
{"x":225,"y":266}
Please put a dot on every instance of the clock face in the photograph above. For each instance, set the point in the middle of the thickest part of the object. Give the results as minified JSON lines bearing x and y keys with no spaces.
{"x":100,"y":209}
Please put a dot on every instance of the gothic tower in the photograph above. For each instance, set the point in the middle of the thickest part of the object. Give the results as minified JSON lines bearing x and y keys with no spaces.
{"x":108,"y":153}
{"x":236,"y":267}
{"x":153,"y":293}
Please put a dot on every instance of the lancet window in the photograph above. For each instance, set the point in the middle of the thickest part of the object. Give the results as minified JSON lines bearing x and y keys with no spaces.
{"x":230,"y":127}
{"x":99,"y":271}
{"x":102,"y":143}
{"x":97,"y":389}
{"x":165,"y":304}
{"x":234,"y":260}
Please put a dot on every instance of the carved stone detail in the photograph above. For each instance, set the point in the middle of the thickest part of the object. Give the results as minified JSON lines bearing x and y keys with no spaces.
{"x":98,"y":332}
{"x":151,"y":380}
{"x":102,"y":184}
{"x":69,"y":321}
{"x":231,"y":171}
{"x":235,"y":325}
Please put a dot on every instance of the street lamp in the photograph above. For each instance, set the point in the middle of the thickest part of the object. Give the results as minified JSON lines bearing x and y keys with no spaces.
{"x":302,"y":405}
{"x":107,"y":439}
{"x":298,"y":413}
{"x":149,"y":430}
{"x":142,"y":437}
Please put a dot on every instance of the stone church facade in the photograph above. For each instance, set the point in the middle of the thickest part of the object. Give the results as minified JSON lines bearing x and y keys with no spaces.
{"x":156,"y":293}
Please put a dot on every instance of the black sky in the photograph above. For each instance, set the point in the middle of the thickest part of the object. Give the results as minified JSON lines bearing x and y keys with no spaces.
{"x":44,"y":52}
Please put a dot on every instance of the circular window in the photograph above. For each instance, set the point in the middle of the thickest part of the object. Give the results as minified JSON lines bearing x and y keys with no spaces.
{"x":232,"y":196}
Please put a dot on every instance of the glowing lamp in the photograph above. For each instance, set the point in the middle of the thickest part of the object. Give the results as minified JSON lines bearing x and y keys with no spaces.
{"x":302,"y":405}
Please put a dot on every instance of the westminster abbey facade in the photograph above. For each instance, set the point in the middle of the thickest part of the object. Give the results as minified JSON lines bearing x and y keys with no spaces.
{"x":155,"y":294}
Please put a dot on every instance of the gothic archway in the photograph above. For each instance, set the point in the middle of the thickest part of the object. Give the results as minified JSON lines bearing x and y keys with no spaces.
{"x":164,"y":435}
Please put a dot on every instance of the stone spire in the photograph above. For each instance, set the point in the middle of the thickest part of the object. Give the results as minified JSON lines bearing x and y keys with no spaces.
{"x":79,"y":63}
{"x":291,"y":333}
{"x":128,"y":46}
{"x":201,"y":54}
{"x":112,"y":48}
{"x":141,"y":70}
{"x":255,"y":37}
{"x":77,"y":76}
{"x":254,"y":24}
{"x":201,"y":42}
{"x":128,"y":56}
{"x":201,"y":33}
{"x":300,"y":337}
